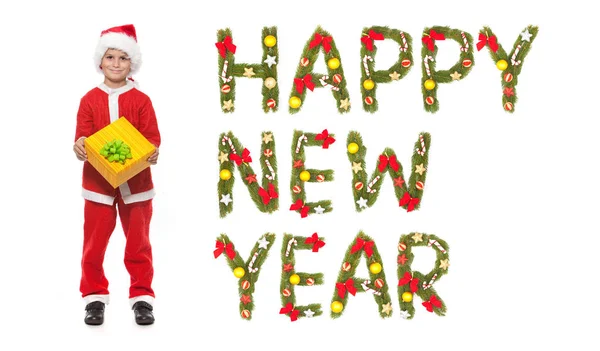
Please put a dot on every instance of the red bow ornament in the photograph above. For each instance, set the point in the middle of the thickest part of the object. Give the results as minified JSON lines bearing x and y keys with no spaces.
{"x":300,"y":83}
{"x":429,"y":39}
{"x":327,"y":140}
{"x":408,"y":279}
{"x":317,"y":244}
{"x":268,"y":195}
{"x":410,"y":201}
{"x":319,"y":39}
{"x":290,"y":309}
{"x":220,"y":247}
{"x":433,"y":302}
{"x":299,"y":205}
{"x":245,"y":157}
{"x":368,"y":39}
{"x":225,"y":45}
{"x":347,"y":286}
{"x":484,"y":39}
{"x":384,"y":161}
{"x":361,"y":244}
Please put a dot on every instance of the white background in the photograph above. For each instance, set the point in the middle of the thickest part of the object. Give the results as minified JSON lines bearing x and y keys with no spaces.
{"x":514,"y":195}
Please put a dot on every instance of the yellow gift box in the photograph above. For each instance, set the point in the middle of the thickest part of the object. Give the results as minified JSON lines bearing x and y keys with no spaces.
{"x":115,"y":172}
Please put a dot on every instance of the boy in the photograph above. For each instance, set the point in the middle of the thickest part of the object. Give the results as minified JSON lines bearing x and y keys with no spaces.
{"x":117,"y":57}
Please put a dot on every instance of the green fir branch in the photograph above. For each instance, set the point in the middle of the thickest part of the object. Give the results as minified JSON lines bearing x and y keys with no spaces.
{"x":360,"y":182}
{"x":261,"y":70}
{"x":312,"y":55}
{"x":383,"y":76}
{"x":354,"y":259}
{"x":226,"y":186}
{"x":250,"y":277}
{"x":510,"y":76}
{"x":462,"y":67}
{"x":405,"y":255}
{"x":295,"y":181}
{"x":288,"y":258}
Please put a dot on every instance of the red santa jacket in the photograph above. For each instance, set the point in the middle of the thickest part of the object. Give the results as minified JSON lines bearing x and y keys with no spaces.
{"x":100,"y":107}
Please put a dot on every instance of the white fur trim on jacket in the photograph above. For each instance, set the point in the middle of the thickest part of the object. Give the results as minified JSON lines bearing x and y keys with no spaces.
{"x":121,"y":42}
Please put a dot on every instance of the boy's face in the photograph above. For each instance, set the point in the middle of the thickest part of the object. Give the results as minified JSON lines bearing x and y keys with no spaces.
{"x":116,"y":65}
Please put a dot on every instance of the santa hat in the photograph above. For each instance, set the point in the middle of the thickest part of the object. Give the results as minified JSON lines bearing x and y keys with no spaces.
{"x":121,"y":38}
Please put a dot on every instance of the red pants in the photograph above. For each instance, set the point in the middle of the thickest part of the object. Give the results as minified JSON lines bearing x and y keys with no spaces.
{"x":100,"y":221}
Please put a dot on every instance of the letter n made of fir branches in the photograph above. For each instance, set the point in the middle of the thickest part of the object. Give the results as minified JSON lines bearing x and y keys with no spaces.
{"x":263,"y":189}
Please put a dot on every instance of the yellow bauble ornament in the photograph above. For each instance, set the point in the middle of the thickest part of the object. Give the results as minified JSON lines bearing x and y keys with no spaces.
{"x":368,"y":84}
{"x":304,"y":176}
{"x":295,"y":102}
{"x":337,"y":306}
{"x":294,"y":279}
{"x":239,"y":272}
{"x":429,"y":84}
{"x":225,"y":174}
{"x":375,"y":267}
{"x":353,"y":148}
{"x":502,"y":65}
{"x":407,"y":296}
{"x":270,"y":41}
{"x":333,"y":63}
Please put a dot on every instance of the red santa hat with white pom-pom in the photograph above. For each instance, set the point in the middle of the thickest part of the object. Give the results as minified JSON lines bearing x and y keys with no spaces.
{"x":121,"y":38}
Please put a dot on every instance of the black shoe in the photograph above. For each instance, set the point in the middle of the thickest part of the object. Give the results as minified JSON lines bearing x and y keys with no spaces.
{"x":143,"y":313}
{"x":94,"y":313}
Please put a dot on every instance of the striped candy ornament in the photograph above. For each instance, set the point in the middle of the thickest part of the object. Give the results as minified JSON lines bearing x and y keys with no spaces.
{"x":302,"y":138}
{"x":402,"y":247}
{"x":272,"y":175}
{"x":327,"y":85}
{"x":245,"y":285}
{"x":310,"y":281}
{"x":296,"y":189}
{"x":245,"y":314}
{"x":370,"y":189}
{"x":430,"y":284}
{"x":271,"y":103}
{"x":437,"y":244}
{"x":251,"y":268}
{"x":406,"y":63}
{"x":337,"y":78}
{"x":464,"y":48}
{"x":429,"y":100}
{"x":369,"y":100}
{"x":366,"y":65}
{"x":228,"y":140}
{"x":304,"y":62}
{"x":379,"y":283}
{"x":268,"y":153}
{"x":513,"y":59}
{"x":426,"y":60}
{"x":346,"y":266}
{"x":423,"y":149}
{"x":320,"y":178}
{"x":225,"y":88}
{"x":289,"y":246}
{"x":419,"y":185}
{"x":404,"y":46}
{"x":224,"y":73}
{"x":508,"y":77}
{"x":368,"y":289}
{"x":286,"y":292}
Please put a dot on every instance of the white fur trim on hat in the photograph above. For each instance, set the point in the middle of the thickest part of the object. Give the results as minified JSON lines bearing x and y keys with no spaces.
{"x":119,"y":41}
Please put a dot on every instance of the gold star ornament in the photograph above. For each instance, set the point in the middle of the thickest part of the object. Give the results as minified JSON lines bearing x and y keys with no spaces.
{"x":228,"y":105}
{"x":345,"y":104}
{"x":417,"y":237}
{"x":223,"y":157}
{"x":356,"y":166}
{"x":387,"y":308}
{"x":455,"y":75}
{"x":267,"y":137}
{"x":394,"y":75}
{"x":249,"y":72}
{"x":420,"y":169}
{"x":444,"y":264}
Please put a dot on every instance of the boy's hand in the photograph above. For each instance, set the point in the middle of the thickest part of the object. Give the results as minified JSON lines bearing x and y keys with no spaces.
{"x":79,"y":149}
{"x":153,"y":159}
